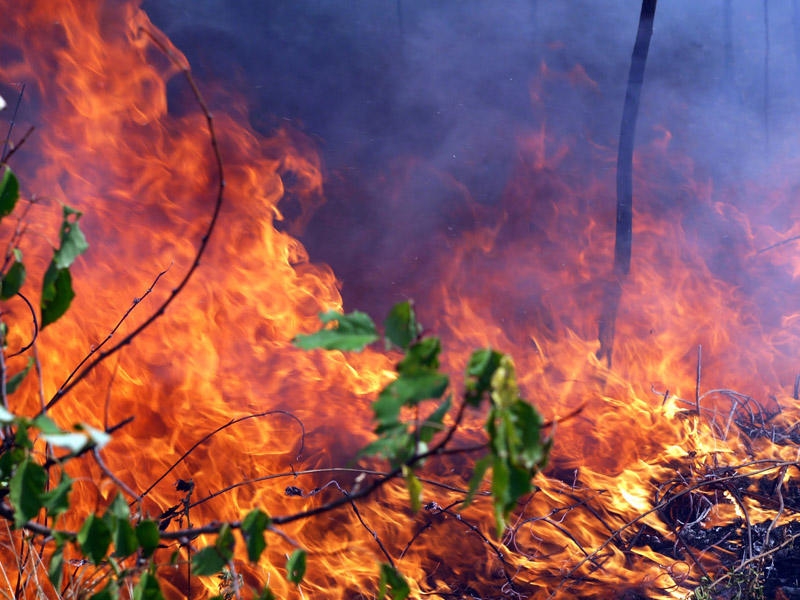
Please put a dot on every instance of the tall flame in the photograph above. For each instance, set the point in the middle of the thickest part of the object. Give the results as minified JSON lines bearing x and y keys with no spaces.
{"x":117,"y":138}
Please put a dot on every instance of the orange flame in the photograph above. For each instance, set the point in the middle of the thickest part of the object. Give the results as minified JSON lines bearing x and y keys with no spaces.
{"x":527,"y":279}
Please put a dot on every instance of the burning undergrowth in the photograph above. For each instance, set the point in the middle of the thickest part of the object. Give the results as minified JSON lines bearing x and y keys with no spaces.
{"x":662,"y":480}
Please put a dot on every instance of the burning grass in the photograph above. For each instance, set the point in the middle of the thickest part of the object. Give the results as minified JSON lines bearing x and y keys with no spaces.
{"x":647,"y":494}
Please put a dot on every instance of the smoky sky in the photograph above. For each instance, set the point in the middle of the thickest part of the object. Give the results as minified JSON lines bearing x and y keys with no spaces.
{"x":448,"y":84}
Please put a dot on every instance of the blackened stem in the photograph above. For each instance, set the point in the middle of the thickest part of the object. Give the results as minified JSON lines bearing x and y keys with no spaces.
{"x":624,"y":230}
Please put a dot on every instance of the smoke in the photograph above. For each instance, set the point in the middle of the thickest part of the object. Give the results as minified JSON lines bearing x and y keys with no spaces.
{"x":418,"y":107}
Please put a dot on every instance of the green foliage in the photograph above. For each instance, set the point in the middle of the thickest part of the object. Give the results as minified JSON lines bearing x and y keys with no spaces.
{"x":253,"y":527}
{"x":14,"y":278}
{"x":516,"y":449}
{"x":15,"y":380}
{"x":94,"y":539}
{"x":517,"y":452}
{"x":55,"y":570}
{"x":393,"y":584}
{"x":118,"y":519}
{"x":212,"y":559}
{"x":401,"y":327}
{"x":147,"y":588}
{"x":148,"y":537}
{"x":296,"y":566}
{"x":352,"y":332}
{"x":26,"y":490}
{"x":9,"y":192}
{"x":57,"y":293}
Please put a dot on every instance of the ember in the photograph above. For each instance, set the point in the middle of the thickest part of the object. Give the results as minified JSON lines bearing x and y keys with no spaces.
{"x":674,"y":468}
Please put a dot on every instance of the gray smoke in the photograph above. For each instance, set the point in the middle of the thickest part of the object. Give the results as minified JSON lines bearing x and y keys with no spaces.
{"x":430,"y":98}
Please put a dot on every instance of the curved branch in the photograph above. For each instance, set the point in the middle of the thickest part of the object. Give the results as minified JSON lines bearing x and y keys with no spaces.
{"x":203,"y":241}
{"x":126,"y":314}
{"x":211,"y":434}
{"x":35,"y":328}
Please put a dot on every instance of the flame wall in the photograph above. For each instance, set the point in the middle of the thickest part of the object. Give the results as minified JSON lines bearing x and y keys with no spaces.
{"x":118,"y":136}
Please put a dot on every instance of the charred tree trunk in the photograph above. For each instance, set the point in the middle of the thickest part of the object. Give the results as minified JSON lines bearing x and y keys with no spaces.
{"x":624,"y":230}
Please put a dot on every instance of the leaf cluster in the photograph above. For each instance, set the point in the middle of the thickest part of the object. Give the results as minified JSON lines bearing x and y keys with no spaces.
{"x":411,"y":410}
{"x":57,"y":292}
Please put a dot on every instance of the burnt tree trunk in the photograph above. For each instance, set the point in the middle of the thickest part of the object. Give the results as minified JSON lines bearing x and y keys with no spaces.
{"x":624,"y":229}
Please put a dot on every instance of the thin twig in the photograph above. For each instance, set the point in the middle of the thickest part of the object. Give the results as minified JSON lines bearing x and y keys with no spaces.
{"x":476,"y":530}
{"x":211,"y":434}
{"x":295,"y":474}
{"x":777,"y":244}
{"x":4,"y":156}
{"x":375,"y":485}
{"x":19,"y":144}
{"x":372,"y":532}
{"x":110,"y":474}
{"x":779,"y":512}
{"x":662,"y":505}
{"x":27,"y":346}
{"x":122,"y":319}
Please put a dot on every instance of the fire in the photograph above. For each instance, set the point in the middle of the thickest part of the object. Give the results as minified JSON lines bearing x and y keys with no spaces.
{"x":527,"y":279}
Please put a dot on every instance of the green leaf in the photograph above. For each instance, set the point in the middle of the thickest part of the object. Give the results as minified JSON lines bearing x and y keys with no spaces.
{"x":15,"y":380}
{"x":55,"y":570}
{"x":225,"y":542}
{"x":56,"y":501}
{"x":212,"y":559}
{"x":401,"y":325}
{"x":409,"y":389}
{"x":9,"y":460}
{"x":94,"y":538}
{"x":392,"y":583}
{"x":414,"y":488}
{"x":26,"y":491}
{"x":9,"y":192}
{"x":504,"y":390}
{"x":528,"y":451}
{"x":148,"y":536}
{"x":117,"y":517}
{"x":22,"y":439}
{"x":253,"y":527}
{"x":395,"y":444}
{"x":57,"y":294}
{"x":73,"y":242}
{"x":354,"y":332}
{"x":13,"y":280}
{"x":296,"y":566}
{"x":147,"y":588}
{"x":478,"y":473}
{"x":480,"y":369}
{"x":124,"y":538}
{"x":266,"y":594}
{"x":501,"y":494}
{"x":433,"y":423}
{"x":422,"y":356}
{"x":119,"y":508}
{"x":46,"y":425}
{"x":208,"y":561}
